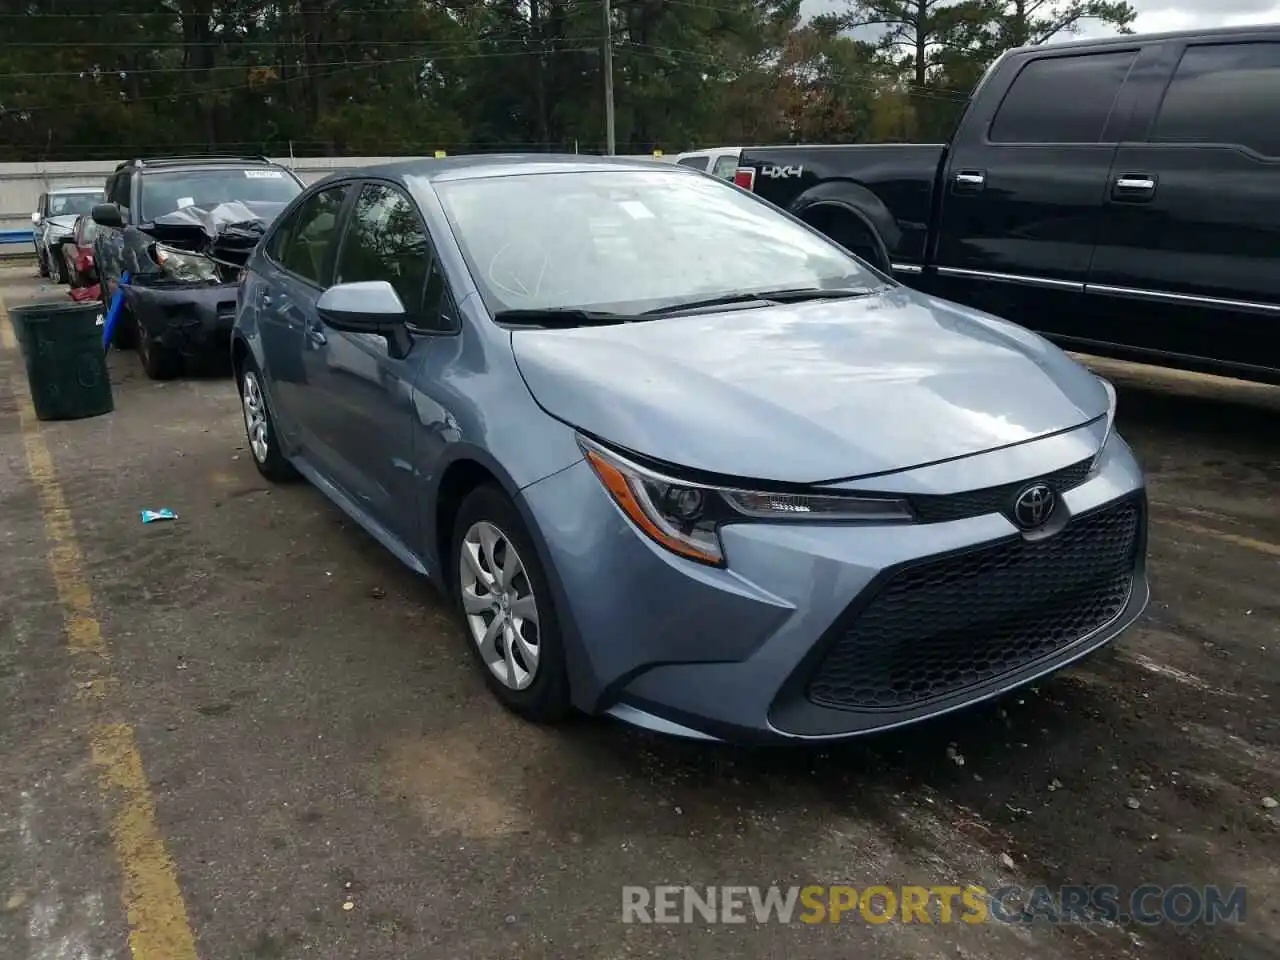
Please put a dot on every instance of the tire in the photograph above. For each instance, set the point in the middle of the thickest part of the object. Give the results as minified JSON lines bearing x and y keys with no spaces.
{"x":158,"y":361}
{"x":543,"y":696}
{"x":267,"y":456}
{"x":55,"y":269}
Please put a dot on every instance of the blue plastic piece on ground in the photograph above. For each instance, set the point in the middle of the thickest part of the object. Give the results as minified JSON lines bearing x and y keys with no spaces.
{"x":113,"y":314}
{"x":151,"y":516}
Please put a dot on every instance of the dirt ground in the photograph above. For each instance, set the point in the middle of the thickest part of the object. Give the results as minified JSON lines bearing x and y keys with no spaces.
{"x":217,"y":733}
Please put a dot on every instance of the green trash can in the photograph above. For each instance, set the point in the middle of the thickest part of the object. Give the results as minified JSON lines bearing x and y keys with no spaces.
{"x":66,"y":364}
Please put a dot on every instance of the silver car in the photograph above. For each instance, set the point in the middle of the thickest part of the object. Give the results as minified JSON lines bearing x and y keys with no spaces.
{"x":679,"y":459}
{"x":53,"y":220}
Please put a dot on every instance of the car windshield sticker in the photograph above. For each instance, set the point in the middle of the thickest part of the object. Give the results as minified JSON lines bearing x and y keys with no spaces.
{"x":186,"y":202}
{"x":637,"y":209}
{"x":264,"y":175}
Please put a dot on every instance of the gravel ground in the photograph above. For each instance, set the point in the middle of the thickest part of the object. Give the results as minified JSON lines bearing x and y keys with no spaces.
{"x":257,"y":702}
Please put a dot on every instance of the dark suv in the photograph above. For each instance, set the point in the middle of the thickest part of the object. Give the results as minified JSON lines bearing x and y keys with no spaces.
{"x":181,"y":228}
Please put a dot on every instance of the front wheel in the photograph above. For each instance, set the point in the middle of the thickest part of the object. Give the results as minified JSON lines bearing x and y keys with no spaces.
{"x":158,"y":361}
{"x":506,"y":607}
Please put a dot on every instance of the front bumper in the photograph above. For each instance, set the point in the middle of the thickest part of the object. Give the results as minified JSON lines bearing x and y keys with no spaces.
{"x":187,"y":318}
{"x":826,"y":632}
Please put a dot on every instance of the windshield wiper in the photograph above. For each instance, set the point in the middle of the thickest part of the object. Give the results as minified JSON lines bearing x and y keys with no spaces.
{"x":789,"y":295}
{"x":561,"y":317}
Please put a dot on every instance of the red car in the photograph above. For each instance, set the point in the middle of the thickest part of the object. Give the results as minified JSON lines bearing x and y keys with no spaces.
{"x":77,"y":253}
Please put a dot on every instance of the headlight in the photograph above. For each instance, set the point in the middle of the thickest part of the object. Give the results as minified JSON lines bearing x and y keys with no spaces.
{"x":184,"y":265}
{"x":1111,"y":423}
{"x":685,"y":516}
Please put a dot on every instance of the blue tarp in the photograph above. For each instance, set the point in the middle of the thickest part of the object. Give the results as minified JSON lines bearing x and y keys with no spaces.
{"x":16,"y":236}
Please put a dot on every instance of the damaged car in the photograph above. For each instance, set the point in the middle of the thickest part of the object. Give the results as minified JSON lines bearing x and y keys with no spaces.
{"x":174,"y":234}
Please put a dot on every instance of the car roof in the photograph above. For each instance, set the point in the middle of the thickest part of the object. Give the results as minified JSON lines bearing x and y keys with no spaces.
{"x":480,"y":166}
{"x":1129,"y":39}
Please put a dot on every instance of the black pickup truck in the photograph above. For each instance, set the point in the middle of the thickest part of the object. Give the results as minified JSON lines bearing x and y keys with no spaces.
{"x":1120,"y":196}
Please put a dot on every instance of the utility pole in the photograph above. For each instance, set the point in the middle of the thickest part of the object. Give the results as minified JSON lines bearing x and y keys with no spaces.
{"x":610,"y":140}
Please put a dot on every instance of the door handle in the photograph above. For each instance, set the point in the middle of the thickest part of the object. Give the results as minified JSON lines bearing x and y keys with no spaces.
{"x":968,"y":181}
{"x":266,"y":300}
{"x":1134,"y":188}
{"x":315,"y":333}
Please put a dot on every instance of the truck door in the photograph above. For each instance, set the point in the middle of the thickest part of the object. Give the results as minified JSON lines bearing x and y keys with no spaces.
{"x":1023,"y":188}
{"x":1188,"y":260}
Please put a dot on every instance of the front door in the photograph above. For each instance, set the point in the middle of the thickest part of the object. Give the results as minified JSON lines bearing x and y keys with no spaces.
{"x":1022,"y":191}
{"x":360,"y":398}
{"x":1189,"y":258}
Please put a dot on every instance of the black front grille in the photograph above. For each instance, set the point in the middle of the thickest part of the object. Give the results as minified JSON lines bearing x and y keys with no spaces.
{"x":939,"y":508}
{"x":934,"y":628}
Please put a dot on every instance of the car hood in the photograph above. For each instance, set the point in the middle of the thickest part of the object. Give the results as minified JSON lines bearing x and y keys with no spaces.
{"x":810,"y":392}
{"x":64,"y":222}
{"x":232,"y":218}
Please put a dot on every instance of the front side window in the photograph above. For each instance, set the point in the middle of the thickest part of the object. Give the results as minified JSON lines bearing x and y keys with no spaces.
{"x":163,"y":192}
{"x":1062,"y":99}
{"x":386,"y":241}
{"x":1224,"y":93}
{"x":301,"y":245}
{"x":630,"y":240}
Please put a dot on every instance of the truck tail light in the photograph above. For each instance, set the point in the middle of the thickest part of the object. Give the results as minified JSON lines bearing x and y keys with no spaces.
{"x":745,"y":177}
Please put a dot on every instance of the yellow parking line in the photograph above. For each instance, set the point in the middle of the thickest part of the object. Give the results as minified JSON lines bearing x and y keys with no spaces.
{"x":157,"y":915}
{"x":1235,"y":539}
{"x":7,"y":340}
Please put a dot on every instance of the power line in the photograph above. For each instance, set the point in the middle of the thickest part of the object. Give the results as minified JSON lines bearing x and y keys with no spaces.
{"x":105,"y":72}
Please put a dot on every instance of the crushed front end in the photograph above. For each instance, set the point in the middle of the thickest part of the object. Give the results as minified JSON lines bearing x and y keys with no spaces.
{"x":183,"y":292}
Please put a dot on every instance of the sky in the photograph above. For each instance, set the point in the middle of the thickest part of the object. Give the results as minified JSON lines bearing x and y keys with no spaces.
{"x":1154,"y":16}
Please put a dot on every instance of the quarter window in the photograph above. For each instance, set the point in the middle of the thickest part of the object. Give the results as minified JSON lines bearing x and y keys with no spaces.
{"x":1224,"y":93}
{"x":1061,"y":99}
{"x":699,"y":161}
{"x":386,"y":241}
{"x":301,"y":245}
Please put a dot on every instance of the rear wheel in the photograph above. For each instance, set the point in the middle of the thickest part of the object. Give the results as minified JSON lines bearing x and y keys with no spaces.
{"x":260,"y":429}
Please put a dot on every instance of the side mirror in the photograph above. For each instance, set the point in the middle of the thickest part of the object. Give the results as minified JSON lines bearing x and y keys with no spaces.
{"x":107,"y":215}
{"x":368,"y":306}
{"x":35,"y":217}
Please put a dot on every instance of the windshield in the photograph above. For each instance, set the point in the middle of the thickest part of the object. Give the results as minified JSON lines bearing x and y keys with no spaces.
{"x":628,"y":241}
{"x":73,"y":204}
{"x":164,"y":193}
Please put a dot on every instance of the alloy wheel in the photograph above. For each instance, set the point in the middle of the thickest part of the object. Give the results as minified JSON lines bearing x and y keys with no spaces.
{"x":500,"y":606}
{"x":255,"y":416}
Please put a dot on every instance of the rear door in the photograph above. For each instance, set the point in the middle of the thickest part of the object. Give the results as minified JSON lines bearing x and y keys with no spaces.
{"x":297,"y":265}
{"x":1023,"y":189}
{"x":1188,"y":262}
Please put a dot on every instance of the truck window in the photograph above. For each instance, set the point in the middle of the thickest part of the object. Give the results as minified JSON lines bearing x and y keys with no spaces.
{"x":1223,"y":93}
{"x":696,"y":161}
{"x":1061,"y":99}
{"x":726,"y":166}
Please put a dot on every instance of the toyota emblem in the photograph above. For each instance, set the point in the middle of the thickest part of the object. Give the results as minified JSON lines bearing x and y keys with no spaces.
{"x":1034,"y":505}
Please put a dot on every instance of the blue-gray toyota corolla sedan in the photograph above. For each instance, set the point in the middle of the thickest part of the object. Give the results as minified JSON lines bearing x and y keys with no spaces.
{"x":678,"y":458}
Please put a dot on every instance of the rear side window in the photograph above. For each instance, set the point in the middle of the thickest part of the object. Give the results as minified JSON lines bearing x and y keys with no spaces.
{"x":1224,"y":93}
{"x":301,"y":244}
{"x":699,"y":161}
{"x":1061,"y":99}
